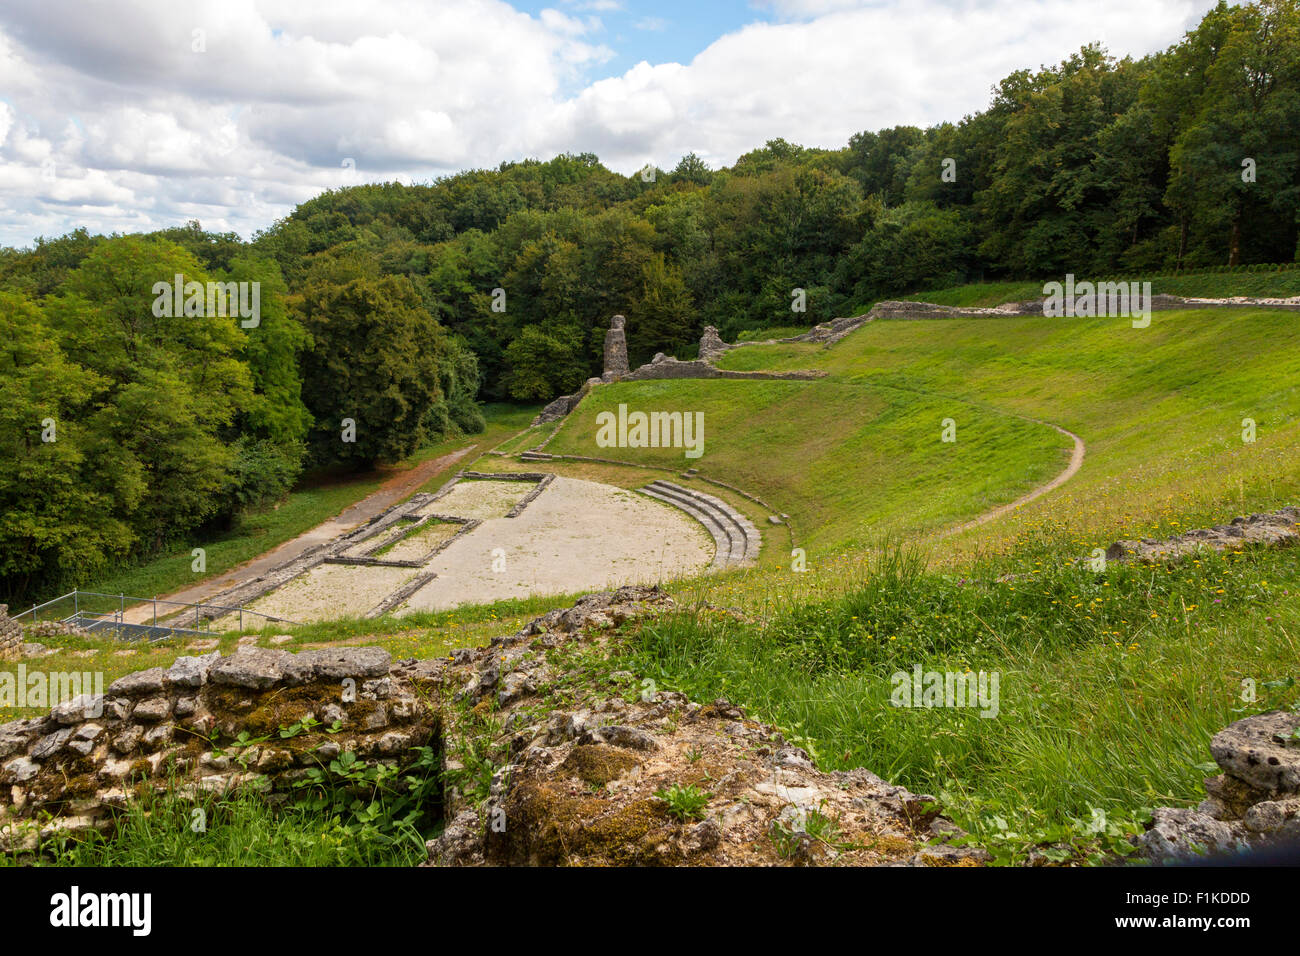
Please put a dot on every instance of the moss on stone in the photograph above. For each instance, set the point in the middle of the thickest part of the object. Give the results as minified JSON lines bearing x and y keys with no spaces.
{"x":598,"y":764}
{"x":545,"y":825}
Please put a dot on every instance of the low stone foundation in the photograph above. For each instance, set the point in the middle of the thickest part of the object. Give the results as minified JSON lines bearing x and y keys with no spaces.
{"x":668,"y":367}
{"x":1271,"y":529}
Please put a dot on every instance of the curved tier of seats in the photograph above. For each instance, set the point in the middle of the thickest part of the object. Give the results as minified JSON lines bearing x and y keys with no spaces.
{"x":737,"y":540}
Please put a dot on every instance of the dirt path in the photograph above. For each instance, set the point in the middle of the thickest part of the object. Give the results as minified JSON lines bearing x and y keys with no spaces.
{"x":395,"y":489}
{"x":1076,"y":460}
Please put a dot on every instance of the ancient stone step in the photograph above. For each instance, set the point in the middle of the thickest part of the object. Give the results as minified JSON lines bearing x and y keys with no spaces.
{"x":737,"y":539}
{"x":735,"y":536}
{"x":722,"y":555}
{"x":752,"y":539}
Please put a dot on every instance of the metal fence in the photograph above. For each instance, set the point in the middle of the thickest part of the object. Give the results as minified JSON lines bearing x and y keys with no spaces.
{"x":173,"y":617}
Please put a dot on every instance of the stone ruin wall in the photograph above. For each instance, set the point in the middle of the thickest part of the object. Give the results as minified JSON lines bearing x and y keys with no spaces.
{"x":11,"y":636}
{"x":661,"y":367}
{"x":74,"y":768}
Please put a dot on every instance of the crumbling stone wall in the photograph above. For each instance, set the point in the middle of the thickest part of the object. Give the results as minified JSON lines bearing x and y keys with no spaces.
{"x":711,"y":344}
{"x":1274,"y":529}
{"x":72,"y":768}
{"x":11,"y":635}
{"x":580,"y":783}
{"x":668,"y":367}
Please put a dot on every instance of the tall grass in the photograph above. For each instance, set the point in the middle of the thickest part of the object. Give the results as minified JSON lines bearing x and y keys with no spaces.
{"x":1111,"y":683}
{"x":241,"y":830}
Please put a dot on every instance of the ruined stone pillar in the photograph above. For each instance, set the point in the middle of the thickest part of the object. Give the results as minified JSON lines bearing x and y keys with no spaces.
{"x":711,"y":344}
{"x":615,"y":350}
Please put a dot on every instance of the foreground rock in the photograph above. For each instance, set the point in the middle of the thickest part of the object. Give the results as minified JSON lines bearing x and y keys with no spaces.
{"x":1254,"y":803}
{"x":583,"y":754}
{"x":551,"y":754}
{"x":181,"y":727}
{"x":1271,"y":529}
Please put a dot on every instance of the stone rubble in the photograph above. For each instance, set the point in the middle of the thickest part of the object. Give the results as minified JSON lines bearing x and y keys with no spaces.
{"x":1253,"y":804}
{"x":576,"y":783}
{"x":1271,"y":529}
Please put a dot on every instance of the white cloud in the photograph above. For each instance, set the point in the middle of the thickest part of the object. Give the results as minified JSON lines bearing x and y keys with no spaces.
{"x":142,"y":131}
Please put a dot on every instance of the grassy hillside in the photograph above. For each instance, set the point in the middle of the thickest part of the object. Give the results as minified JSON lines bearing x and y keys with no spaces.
{"x":1112,"y":683}
{"x":849,"y":461}
{"x":1160,"y":408}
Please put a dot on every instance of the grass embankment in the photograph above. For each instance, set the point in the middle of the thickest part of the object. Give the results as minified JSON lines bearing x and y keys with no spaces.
{"x":1110,"y":684}
{"x":1270,"y":283}
{"x":847,"y":462}
{"x":1161,"y":409}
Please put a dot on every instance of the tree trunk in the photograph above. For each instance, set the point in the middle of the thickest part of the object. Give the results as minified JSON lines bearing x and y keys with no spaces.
{"x":1234,"y":241}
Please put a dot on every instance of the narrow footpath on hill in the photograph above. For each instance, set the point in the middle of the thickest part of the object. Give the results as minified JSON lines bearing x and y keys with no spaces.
{"x":399,"y":487}
{"x":1076,"y":460}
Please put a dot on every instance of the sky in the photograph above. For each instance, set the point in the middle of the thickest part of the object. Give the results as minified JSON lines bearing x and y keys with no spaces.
{"x":133,"y":115}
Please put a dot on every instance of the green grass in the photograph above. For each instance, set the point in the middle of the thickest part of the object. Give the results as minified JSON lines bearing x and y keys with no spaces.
{"x":344,"y":813}
{"x":241,"y":831}
{"x":848,"y":461}
{"x":772,"y":332}
{"x":528,"y":438}
{"x":1110,"y":684}
{"x":1160,"y":408}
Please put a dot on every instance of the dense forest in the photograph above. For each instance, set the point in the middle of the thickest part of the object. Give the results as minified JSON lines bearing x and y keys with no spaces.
{"x":398,"y":308}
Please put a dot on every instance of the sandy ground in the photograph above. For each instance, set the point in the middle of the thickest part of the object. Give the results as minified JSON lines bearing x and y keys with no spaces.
{"x":421,"y":541}
{"x":331,"y":590}
{"x":480,"y":498}
{"x":577,"y":535}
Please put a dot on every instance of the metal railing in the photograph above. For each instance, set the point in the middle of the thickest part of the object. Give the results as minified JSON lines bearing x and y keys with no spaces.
{"x":118,"y":616}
